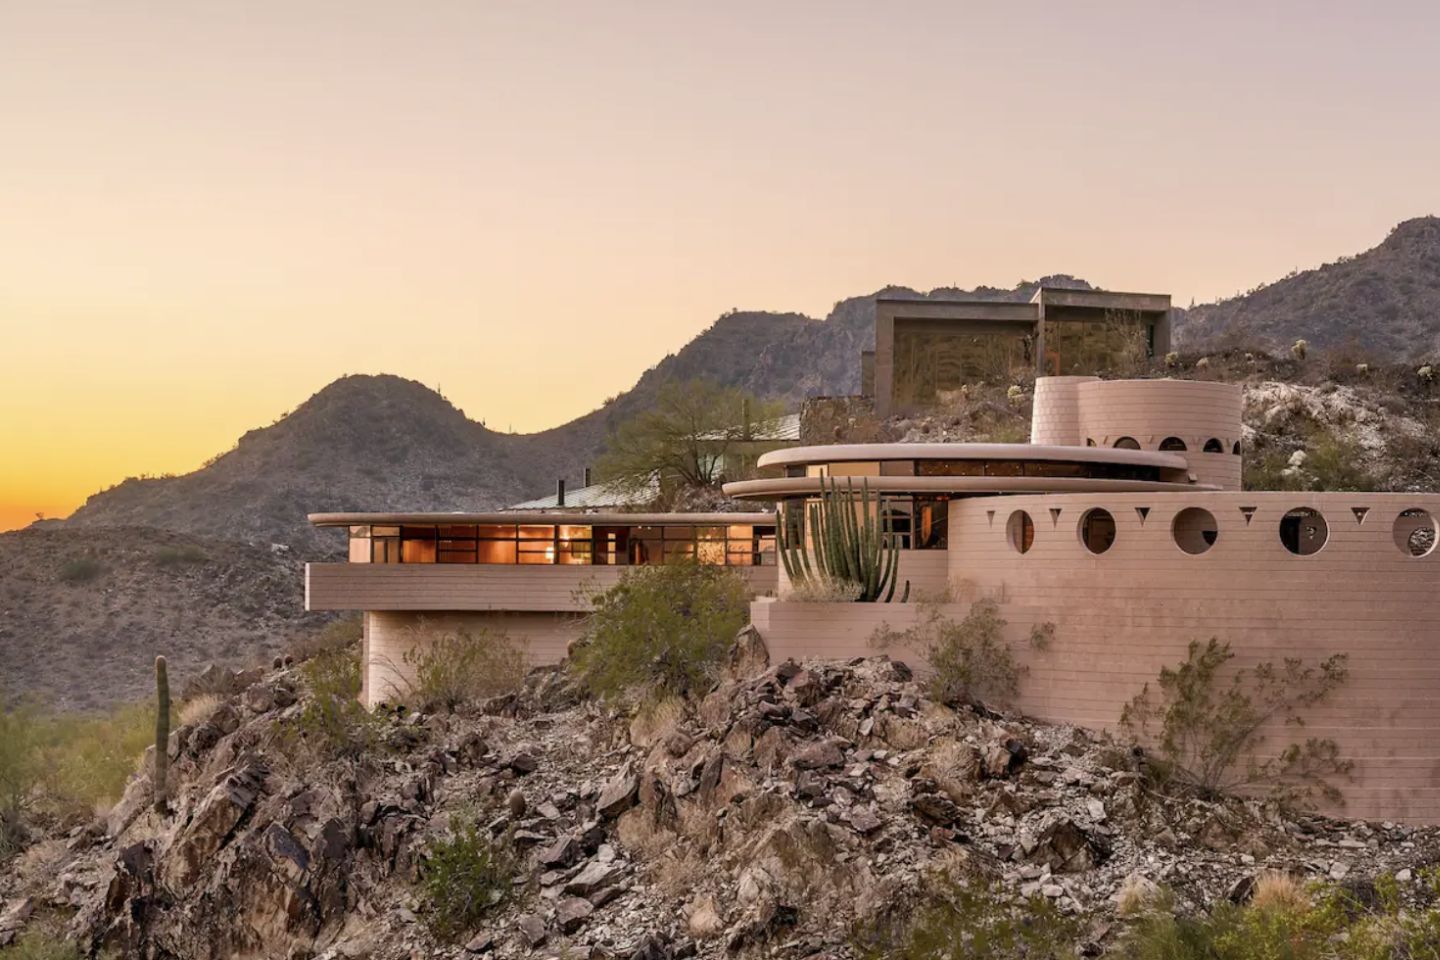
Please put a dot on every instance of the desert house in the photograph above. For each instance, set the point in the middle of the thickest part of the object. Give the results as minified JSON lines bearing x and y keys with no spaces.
{"x":1121,"y":529}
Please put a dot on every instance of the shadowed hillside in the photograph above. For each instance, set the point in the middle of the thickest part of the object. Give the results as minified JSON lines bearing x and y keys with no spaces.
{"x":1385,"y":301}
{"x":84,"y":612}
{"x":386,"y":443}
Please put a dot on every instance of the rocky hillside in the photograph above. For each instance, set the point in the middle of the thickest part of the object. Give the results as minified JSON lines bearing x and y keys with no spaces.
{"x":84,"y":612}
{"x":1385,"y":301}
{"x":796,"y":807}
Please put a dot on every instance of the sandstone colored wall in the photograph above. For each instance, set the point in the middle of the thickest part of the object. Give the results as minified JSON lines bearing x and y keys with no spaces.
{"x":1151,"y":410}
{"x":1122,"y":615}
{"x":390,"y":635}
{"x":1055,"y":414}
{"x":441,"y":586}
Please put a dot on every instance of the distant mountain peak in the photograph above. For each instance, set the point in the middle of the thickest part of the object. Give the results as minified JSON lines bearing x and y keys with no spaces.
{"x":1418,"y":235}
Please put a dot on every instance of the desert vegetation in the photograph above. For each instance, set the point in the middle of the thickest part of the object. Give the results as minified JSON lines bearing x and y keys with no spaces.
{"x":453,"y":669}
{"x":970,"y":660}
{"x":1208,"y":725}
{"x":661,"y":631}
{"x":61,"y":767}
{"x":466,"y":874}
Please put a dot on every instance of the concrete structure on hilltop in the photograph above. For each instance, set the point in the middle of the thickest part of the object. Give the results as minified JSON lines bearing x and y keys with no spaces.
{"x":924,"y":348}
{"x":1121,"y":529}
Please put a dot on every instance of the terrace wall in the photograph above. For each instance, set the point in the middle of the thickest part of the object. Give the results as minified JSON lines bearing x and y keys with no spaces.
{"x":1122,"y":615}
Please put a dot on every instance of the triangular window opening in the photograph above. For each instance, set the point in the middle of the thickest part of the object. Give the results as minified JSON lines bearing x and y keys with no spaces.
{"x":1055,"y":516}
{"x":1249,"y":513}
{"x":1360,"y":513}
{"x":1144,"y":513}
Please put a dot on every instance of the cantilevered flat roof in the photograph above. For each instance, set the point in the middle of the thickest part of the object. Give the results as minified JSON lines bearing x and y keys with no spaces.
{"x":548,"y":517}
{"x":843,"y":452}
{"x":779,"y":487}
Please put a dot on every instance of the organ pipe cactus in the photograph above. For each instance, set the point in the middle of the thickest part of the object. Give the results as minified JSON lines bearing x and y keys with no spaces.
{"x":846,"y":542}
{"x":161,"y":778}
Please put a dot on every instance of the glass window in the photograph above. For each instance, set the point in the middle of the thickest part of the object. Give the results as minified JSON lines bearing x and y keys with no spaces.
{"x":385,"y":550}
{"x":417,"y":551}
{"x":1004,"y":468}
{"x":359,"y":550}
{"x":496,"y":551}
{"x":457,"y":532}
{"x":537,"y":532}
{"x":360,"y":531}
{"x":573,"y":551}
{"x":708,"y":551}
{"x":573,"y":532}
{"x":501,"y":532}
{"x":384,"y":531}
{"x":932,"y":523}
{"x":950,"y":468}
{"x":1041,"y":468}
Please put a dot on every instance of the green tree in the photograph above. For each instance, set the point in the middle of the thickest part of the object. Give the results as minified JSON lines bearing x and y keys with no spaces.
{"x":688,"y":437}
{"x":662,"y":629}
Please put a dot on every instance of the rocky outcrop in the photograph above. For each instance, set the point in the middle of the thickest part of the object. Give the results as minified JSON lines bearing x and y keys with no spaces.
{"x":787,"y":806}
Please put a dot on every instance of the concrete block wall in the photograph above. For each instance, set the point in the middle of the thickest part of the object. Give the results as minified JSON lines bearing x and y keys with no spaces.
{"x":1122,"y":615}
{"x":1149,"y":411}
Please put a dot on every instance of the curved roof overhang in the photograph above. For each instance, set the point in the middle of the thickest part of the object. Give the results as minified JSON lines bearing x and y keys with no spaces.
{"x":841,"y":452}
{"x":540,"y":518}
{"x":779,"y":487}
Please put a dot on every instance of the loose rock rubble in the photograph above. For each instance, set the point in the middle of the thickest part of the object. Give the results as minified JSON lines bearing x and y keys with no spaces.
{"x":770,"y":818}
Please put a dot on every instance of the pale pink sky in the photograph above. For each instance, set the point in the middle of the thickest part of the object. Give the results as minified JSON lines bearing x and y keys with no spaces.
{"x":208,"y":211}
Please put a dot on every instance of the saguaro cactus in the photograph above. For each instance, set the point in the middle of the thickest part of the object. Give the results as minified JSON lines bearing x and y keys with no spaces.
{"x":161,"y":776}
{"x":847,"y":542}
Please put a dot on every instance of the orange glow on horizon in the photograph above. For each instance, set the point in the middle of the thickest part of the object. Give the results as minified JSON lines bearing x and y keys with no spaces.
{"x":207,"y":214}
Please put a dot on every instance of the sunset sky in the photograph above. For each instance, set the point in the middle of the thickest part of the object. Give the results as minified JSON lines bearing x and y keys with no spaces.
{"x":208,"y":211}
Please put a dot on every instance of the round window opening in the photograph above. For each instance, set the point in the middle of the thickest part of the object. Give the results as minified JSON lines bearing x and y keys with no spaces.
{"x":1415,"y":532}
{"x":1172,"y":443}
{"x":1097,"y":530}
{"x":1195,"y":530}
{"x":1021,"y":531}
{"x":1303,"y":531}
{"x":1213,"y":445}
{"x":1127,"y":443}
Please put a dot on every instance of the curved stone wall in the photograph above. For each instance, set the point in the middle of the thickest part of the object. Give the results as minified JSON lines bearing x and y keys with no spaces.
{"x":1151,"y":411}
{"x":1055,"y":414}
{"x":1191,"y":566}
{"x":1123,"y":614}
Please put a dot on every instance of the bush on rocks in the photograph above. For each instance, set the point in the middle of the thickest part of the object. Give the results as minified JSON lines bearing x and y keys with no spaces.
{"x":970,"y":661}
{"x":459,"y":667}
{"x":664,"y":630}
{"x":465,"y":875}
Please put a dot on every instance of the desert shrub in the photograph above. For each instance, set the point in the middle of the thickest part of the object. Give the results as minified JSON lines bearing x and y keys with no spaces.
{"x":663,"y":630}
{"x":81,"y":570}
{"x":89,"y":758}
{"x":40,"y":945}
{"x":339,"y":634}
{"x":460,"y":667}
{"x":959,"y":921}
{"x":823,"y":589}
{"x":332,"y":721}
{"x":970,"y":661}
{"x":1209,"y":732}
{"x":1324,"y":923}
{"x":200,"y":708}
{"x":1042,"y":635}
{"x":465,"y":875}
{"x":64,"y":765}
{"x":179,"y":556}
{"x":20,"y":770}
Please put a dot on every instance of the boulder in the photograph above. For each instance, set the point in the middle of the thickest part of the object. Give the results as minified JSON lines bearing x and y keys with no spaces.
{"x":571,"y":913}
{"x":595,"y":877}
{"x":1066,"y":848}
{"x":619,"y":795}
{"x":210,"y":827}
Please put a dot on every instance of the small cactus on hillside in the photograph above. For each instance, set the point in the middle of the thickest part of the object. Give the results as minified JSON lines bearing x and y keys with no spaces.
{"x":1015,"y":394}
{"x":1202,"y":364}
{"x":1172,"y":360}
{"x":1299,"y":349}
{"x":1363,"y":369}
{"x":1426,"y":374}
{"x":161,"y":778}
